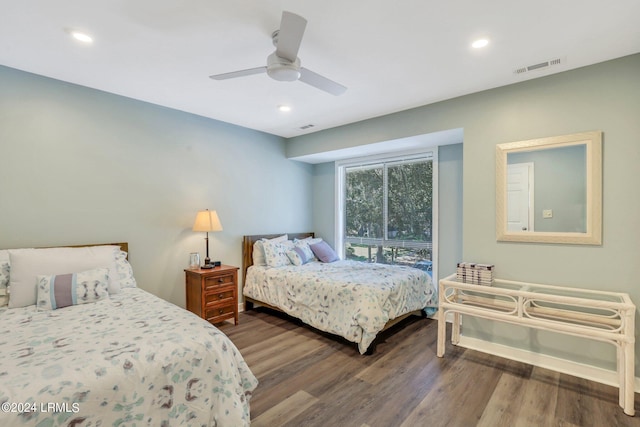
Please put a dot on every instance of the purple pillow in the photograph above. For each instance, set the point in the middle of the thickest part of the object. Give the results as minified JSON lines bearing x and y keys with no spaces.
{"x":324,"y":252}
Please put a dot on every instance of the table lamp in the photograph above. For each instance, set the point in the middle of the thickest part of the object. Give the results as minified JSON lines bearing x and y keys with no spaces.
{"x":207,"y":221}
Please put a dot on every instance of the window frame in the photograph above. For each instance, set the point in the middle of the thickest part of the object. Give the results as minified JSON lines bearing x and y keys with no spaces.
{"x":405,"y":156}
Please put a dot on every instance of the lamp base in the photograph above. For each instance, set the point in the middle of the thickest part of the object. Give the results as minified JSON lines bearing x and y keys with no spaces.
{"x":211,"y":264}
{"x":207,"y":261}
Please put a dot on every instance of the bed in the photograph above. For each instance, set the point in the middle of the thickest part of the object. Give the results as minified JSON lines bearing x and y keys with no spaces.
{"x":351,"y":299}
{"x":129,"y":358}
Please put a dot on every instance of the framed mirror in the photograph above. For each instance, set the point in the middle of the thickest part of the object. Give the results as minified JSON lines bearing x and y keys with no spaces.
{"x":549,"y":190}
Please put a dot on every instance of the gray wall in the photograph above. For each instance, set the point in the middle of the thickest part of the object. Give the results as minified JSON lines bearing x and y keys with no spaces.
{"x":83,"y":166}
{"x":603,"y":97}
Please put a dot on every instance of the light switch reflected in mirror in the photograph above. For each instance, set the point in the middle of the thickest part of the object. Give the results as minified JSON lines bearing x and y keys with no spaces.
{"x":549,"y":190}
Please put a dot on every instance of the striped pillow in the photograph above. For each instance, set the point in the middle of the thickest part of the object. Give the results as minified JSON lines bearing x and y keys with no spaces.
{"x":64,"y":290}
{"x":298,"y":256}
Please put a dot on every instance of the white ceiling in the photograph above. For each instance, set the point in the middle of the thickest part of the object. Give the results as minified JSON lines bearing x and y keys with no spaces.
{"x":392,"y":55}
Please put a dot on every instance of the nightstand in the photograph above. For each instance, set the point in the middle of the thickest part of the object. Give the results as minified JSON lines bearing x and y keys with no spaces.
{"x":213,"y":293}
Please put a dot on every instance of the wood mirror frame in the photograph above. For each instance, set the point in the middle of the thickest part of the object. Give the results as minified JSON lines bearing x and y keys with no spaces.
{"x":593,"y":220}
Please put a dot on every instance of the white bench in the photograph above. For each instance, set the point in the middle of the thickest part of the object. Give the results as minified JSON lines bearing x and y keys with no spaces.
{"x":597,"y":315}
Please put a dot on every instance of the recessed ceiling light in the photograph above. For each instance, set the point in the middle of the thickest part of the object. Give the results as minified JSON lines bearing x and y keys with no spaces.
{"x":284,"y":108}
{"x":80,"y":36}
{"x":480,"y":43}
{"x":85,"y":38}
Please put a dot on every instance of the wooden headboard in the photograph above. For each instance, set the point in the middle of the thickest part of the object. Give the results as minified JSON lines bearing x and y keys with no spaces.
{"x":247,"y":247}
{"x":123,"y":245}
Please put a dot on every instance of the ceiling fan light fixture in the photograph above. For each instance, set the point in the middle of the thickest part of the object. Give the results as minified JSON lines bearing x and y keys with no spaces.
{"x":284,"y":65}
{"x":282,"y":69}
{"x":284,"y":73}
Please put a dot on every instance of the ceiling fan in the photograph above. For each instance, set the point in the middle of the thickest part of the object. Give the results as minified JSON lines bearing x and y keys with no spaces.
{"x":284,"y":64}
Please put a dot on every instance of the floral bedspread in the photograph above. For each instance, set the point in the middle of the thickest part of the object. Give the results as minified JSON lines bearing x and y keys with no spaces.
{"x":132,"y":359}
{"x":348,"y":298}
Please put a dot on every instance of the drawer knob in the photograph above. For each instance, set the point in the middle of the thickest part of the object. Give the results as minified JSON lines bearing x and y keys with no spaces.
{"x":221,"y":311}
{"x":220,"y":280}
{"x":221,"y":296}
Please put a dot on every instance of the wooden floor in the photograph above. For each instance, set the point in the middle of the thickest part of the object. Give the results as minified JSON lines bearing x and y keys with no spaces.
{"x":310,"y":379}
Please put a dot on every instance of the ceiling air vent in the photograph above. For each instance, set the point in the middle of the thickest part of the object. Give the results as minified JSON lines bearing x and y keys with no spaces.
{"x":306,"y":126}
{"x":539,"y":66}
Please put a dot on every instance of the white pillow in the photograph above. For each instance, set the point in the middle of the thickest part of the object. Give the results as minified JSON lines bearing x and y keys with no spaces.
{"x":305,"y":244}
{"x":124,"y":270}
{"x":275,"y":253}
{"x":310,"y":240}
{"x":27,"y":264}
{"x":258,"y":249}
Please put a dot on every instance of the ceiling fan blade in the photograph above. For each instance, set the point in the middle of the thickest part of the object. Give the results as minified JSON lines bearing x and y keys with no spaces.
{"x":241,"y":73}
{"x":290,"y":35}
{"x":322,"y":83}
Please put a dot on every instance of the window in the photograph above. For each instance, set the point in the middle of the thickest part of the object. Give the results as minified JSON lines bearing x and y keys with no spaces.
{"x":386,"y":208}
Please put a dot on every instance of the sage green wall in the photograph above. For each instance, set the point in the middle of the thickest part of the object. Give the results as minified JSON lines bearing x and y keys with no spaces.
{"x":605,"y":97}
{"x":450,"y":212}
{"x":83,"y":166}
{"x":324,"y":214}
{"x":560,"y":176}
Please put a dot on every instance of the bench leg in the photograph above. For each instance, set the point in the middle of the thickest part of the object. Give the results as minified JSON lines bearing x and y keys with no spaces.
{"x":455,"y":329}
{"x":627,"y":385}
{"x":442,"y":331}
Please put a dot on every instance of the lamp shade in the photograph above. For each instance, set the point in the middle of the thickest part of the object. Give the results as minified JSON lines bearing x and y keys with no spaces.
{"x":207,"y":221}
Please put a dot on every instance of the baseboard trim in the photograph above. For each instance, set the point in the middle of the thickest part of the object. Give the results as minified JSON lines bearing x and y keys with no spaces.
{"x":564,"y":366}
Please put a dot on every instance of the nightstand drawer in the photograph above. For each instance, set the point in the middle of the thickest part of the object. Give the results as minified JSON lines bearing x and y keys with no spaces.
{"x":216,"y":282}
{"x":218,"y":296}
{"x":219,"y":313}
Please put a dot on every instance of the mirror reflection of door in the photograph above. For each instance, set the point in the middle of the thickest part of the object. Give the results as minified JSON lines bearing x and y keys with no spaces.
{"x":568,"y":190}
{"x":520,"y":209}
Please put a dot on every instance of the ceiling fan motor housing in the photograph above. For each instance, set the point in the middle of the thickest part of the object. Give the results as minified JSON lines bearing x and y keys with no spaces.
{"x":282,"y":69}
